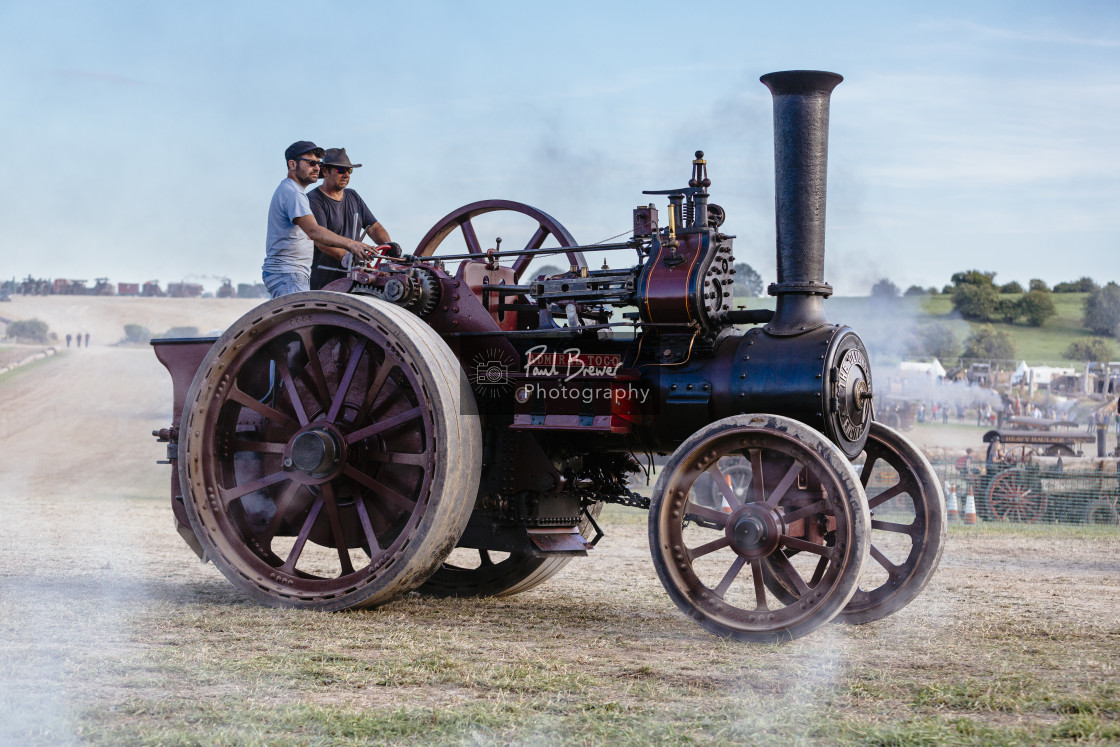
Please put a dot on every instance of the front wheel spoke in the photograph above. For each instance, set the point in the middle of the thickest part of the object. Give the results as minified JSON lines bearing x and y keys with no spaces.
{"x":799,"y":544}
{"x":801,"y":513}
{"x":379,"y":490}
{"x":759,"y":585}
{"x":719,"y":518}
{"x":757,"y":481}
{"x":882,"y":560}
{"x":891,"y":492}
{"x":484,"y":558}
{"x":383,"y":425}
{"x":724,"y":486}
{"x":784,"y":570}
{"x":301,"y":540}
{"x":243,"y":399}
{"x":783,"y":486}
{"x":347,"y":378}
{"x":709,"y":547}
{"x":818,"y":572}
{"x":890,"y":526}
{"x":868,"y":469}
{"x":728,"y":577}
{"x":336,"y":530}
{"x":228,"y":495}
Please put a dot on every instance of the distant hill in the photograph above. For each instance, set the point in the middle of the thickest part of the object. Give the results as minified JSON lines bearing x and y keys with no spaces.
{"x":886,"y":326}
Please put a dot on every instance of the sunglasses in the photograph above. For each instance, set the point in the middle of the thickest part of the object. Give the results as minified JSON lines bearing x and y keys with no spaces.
{"x":343,"y":169}
{"x":310,"y":161}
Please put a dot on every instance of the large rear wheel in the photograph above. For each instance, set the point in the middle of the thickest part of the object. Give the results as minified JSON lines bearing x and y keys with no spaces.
{"x":329,"y":453}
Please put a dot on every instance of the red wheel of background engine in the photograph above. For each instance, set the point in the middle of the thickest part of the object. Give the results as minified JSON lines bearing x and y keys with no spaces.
{"x":1014,"y":496}
{"x":462,"y":219}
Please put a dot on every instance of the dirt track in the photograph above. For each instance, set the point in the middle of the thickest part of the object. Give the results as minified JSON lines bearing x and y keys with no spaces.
{"x":96,"y":586}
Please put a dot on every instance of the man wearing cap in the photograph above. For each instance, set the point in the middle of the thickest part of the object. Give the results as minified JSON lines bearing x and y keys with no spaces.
{"x":292,"y":228}
{"x":343,"y":211}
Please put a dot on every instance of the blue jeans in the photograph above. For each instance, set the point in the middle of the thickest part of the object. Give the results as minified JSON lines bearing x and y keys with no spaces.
{"x":283,"y":283}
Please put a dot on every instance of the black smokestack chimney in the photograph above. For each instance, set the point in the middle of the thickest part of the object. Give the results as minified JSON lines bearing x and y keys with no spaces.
{"x":800,"y":169}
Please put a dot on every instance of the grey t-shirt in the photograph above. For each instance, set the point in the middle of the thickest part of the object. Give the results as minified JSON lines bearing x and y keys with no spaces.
{"x":346,"y":217}
{"x":287,"y":247}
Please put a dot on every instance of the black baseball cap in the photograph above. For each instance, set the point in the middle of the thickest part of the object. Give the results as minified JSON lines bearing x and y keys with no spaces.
{"x":298,"y":148}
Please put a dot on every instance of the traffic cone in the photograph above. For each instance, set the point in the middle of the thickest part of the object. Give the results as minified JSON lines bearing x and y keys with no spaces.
{"x":726,"y":507}
{"x":951,"y":513}
{"x":970,"y":508}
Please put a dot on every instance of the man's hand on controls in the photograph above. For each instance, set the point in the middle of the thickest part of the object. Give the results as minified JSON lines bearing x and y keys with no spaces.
{"x":366,"y":252}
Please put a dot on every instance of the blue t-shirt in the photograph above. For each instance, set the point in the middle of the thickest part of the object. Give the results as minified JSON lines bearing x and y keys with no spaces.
{"x":287,"y":247}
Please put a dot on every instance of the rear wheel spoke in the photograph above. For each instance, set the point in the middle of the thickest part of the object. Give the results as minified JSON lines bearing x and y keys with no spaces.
{"x":347,"y":379}
{"x":301,"y":540}
{"x":336,"y":530}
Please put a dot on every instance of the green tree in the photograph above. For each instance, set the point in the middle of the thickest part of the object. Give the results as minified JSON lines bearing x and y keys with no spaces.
{"x":884,"y":289}
{"x":973,"y":277}
{"x":1038,"y":284}
{"x":1007,"y":310}
{"x":30,"y":330}
{"x":1081,"y":285}
{"x":987,"y":342}
{"x":976,"y":301}
{"x":935,"y":341}
{"x":1012,"y":287}
{"x":1090,"y":349}
{"x":1036,"y":306}
{"x":747,"y":280}
{"x":1102,"y":310}
{"x":917,"y":290}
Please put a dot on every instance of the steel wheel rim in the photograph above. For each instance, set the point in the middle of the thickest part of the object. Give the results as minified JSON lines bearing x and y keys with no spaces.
{"x":770,"y":453}
{"x":373,"y":468}
{"x":915,"y":480}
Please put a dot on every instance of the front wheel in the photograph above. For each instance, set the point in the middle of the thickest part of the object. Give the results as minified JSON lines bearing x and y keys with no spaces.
{"x":803,"y":520}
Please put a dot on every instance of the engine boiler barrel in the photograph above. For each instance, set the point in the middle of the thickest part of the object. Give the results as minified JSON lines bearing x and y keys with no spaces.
{"x":801,"y":101}
{"x":820,"y":377}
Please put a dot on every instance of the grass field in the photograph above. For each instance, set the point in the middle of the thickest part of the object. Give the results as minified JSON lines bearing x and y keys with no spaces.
{"x":599,"y":656}
{"x":1037,"y":345}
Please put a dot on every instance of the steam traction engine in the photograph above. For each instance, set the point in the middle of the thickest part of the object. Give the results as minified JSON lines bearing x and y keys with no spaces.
{"x":443,"y":423}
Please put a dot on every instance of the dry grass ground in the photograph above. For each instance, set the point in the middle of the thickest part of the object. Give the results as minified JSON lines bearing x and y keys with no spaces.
{"x":111,"y":632}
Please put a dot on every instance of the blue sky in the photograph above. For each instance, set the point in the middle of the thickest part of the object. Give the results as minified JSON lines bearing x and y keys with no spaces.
{"x":145,"y":139}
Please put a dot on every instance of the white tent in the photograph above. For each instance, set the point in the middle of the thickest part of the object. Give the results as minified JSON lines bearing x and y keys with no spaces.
{"x":917,"y":367}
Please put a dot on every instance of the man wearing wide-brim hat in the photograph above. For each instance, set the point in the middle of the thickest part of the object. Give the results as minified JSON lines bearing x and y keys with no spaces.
{"x":292,"y":228}
{"x":343,"y":211}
